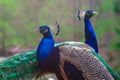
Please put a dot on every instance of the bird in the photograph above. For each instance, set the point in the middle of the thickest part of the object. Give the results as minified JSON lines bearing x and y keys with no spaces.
{"x":90,"y":36}
{"x":25,"y":66}
{"x":68,"y":60}
{"x":47,"y":55}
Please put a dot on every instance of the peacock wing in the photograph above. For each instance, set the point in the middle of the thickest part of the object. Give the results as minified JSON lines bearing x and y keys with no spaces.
{"x":73,"y":43}
{"x":80,"y":57}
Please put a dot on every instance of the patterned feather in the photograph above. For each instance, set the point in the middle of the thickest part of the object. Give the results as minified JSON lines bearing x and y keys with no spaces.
{"x":92,"y":68}
{"x":94,"y":63}
{"x":25,"y":66}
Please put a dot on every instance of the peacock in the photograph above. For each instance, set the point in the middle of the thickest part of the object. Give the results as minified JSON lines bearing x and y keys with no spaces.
{"x":25,"y":66}
{"x":47,"y":55}
{"x":69,"y":60}
{"x":90,"y":36}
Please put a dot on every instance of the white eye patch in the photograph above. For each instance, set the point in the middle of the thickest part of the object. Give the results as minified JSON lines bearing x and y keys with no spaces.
{"x":82,"y":14}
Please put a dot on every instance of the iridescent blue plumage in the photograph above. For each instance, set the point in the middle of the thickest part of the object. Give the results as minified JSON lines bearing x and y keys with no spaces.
{"x":90,"y":36}
{"x":47,"y":55}
{"x":45,"y":47}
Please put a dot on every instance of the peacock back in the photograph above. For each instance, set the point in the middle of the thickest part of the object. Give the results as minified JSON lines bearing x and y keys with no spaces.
{"x":25,"y":66}
{"x":81,"y":56}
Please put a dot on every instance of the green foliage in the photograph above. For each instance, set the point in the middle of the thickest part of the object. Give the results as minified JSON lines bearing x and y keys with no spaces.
{"x":117,"y":30}
{"x":117,"y":6}
{"x":19,"y":18}
{"x":107,"y":6}
{"x":108,"y":24}
{"x":118,"y":69}
{"x":116,"y":41}
{"x":8,"y":4}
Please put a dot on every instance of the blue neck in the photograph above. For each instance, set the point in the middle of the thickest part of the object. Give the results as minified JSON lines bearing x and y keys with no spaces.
{"x":45,"y":47}
{"x":90,"y":36}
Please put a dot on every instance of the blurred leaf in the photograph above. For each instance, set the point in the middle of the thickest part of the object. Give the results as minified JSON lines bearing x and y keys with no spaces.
{"x":117,"y":30}
{"x":117,"y":6}
{"x":107,"y":6}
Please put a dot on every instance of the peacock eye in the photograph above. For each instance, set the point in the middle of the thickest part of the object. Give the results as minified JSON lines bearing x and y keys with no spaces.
{"x":88,"y":14}
{"x":46,"y":30}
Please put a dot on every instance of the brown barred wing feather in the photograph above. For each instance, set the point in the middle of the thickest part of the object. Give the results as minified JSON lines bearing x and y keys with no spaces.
{"x":83,"y":63}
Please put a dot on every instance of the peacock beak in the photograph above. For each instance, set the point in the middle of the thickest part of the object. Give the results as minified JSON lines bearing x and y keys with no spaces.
{"x":36,"y":30}
{"x":95,"y":13}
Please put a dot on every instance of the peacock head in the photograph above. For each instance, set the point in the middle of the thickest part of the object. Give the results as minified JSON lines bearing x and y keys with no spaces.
{"x":45,"y":29}
{"x":86,"y":14}
{"x":89,"y":14}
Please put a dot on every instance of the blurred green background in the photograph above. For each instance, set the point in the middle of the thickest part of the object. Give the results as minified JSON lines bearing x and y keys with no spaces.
{"x":18,"y":19}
